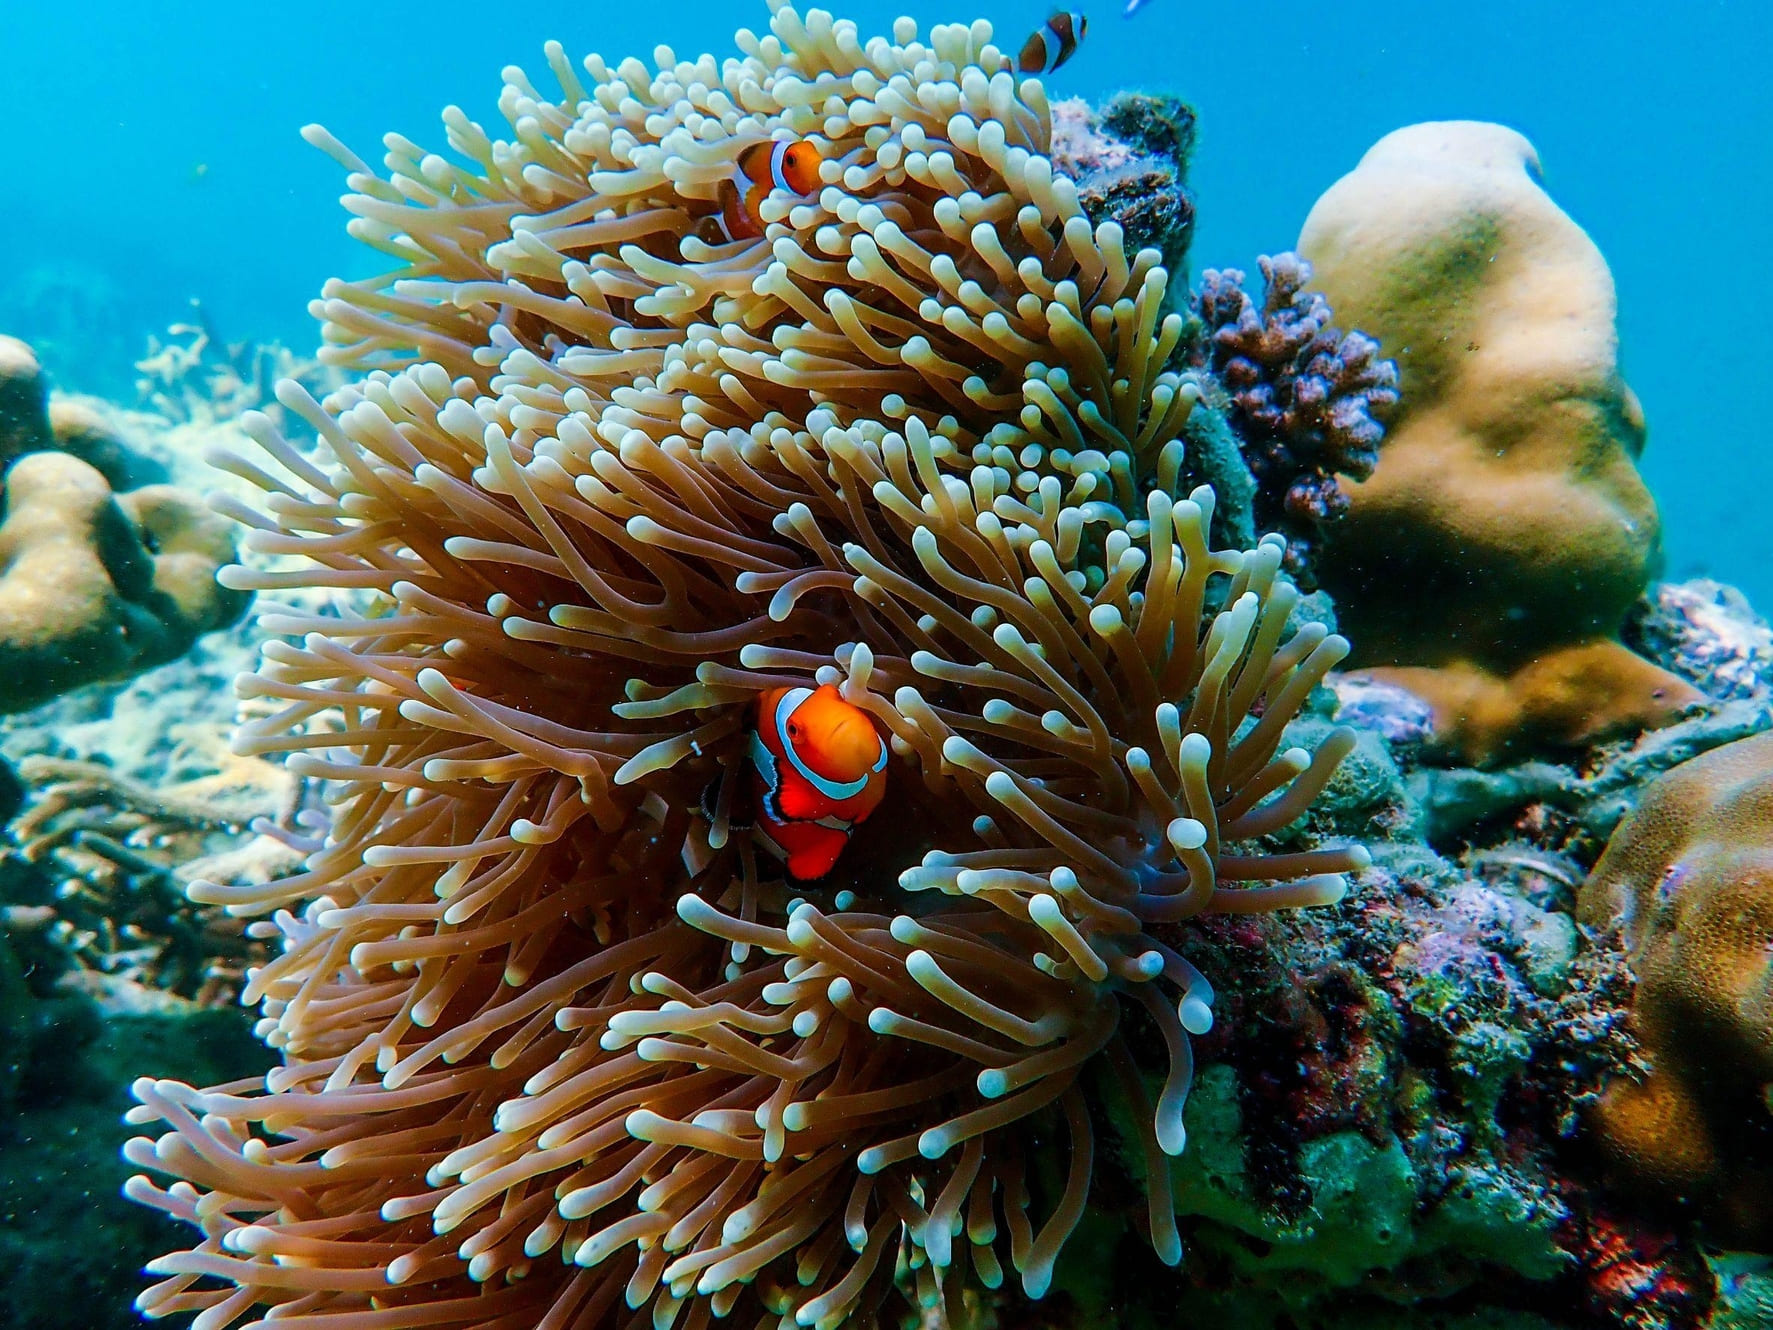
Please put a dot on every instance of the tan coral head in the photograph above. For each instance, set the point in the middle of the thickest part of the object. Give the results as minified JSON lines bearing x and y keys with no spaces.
{"x":1505,"y":531}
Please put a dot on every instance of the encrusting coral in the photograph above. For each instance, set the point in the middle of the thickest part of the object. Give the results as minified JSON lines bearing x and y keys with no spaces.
{"x":557,"y":1043}
{"x":1130,"y":161}
{"x":1689,"y":879}
{"x":1307,"y":400}
{"x":94,"y":584}
{"x":1490,"y":559}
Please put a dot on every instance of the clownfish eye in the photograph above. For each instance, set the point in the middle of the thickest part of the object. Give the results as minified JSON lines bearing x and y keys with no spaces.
{"x":800,"y":167}
{"x":794,"y":729}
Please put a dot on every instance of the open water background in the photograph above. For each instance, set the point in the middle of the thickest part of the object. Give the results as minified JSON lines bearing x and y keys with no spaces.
{"x":152,"y":156}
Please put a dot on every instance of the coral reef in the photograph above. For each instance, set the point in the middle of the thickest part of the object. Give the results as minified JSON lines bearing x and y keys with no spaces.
{"x":1307,"y":400}
{"x":1689,"y":879}
{"x":1130,"y":161}
{"x":1491,"y":558}
{"x":107,"y":970}
{"x":554,"y":1040}
{"x":97,"y":898}
{"x":192,"y":375}
{"x":95,"y":584}
{"x":1382,"y":1129}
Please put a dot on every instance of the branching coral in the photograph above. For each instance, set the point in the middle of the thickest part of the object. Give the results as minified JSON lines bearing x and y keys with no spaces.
{"x":109,"y":903}
{"x":194,"y":375}
{"x":556,"y":1042}
{"x":1307,"y":399}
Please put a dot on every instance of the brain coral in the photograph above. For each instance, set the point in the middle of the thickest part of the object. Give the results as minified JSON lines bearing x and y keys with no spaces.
{"x":1491,"y":557}
{"x":1689,"y":877}
{"x":556,"y":1040}
{"x":95,"y":584}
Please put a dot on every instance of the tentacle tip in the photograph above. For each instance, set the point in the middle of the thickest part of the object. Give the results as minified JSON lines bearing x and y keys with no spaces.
{"x":1196,"y":1016}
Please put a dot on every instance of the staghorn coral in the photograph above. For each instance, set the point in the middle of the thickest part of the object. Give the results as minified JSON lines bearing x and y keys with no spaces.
{"x":195,"y":376}
{"x":1490,"y":560}
{"x":1689,"y":879}
{"x":1307,"y":400}
{"x":554,"y":1042}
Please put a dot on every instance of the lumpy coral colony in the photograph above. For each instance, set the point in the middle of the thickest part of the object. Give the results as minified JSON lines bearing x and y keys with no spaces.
{"x":558,"y":1043}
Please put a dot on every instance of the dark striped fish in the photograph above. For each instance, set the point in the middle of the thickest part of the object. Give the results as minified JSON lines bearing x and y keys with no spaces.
{"x":1053,"y":43}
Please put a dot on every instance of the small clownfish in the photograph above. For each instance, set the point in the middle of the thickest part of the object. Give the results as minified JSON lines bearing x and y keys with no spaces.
{"x":1053,"y":43}
{"x":759,"y":170}
{"x":819,"y":768}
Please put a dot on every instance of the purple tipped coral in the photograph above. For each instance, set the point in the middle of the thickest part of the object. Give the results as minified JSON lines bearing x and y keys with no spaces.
{"x":1307,"y":400}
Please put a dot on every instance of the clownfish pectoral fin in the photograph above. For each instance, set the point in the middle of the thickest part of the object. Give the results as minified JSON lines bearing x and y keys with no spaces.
{"x":796,"y":799}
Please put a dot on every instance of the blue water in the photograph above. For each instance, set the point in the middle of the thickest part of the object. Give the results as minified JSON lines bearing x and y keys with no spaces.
{"x":153,"y":156}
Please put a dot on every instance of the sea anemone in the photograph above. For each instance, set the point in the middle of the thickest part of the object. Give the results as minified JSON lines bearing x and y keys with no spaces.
{"x":557,"y":1039}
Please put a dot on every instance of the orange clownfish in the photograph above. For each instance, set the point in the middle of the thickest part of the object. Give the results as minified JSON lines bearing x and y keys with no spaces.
{"x":819,"y":768}
{"x":759,"y":170}
{"x":1053,"y":43}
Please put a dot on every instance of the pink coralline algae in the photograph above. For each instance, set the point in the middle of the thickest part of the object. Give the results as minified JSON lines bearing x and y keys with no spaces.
{"x":1307,"y":400}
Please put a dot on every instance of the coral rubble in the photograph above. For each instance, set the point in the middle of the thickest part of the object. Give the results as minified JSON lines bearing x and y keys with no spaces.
{"x":97,"y":897}
{"x":1689,"y":879}
{"x":556,"y":1038}
{"x":1490,"y":560}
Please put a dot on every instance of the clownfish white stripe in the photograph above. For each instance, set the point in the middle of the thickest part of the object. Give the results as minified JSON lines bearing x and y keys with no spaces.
{"x":831,"y":789}
{"x":778,"y":157}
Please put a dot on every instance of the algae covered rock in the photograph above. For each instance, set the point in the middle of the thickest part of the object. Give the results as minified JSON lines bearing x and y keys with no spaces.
{"x":65,"y":1226}
{"x":1489,"y":561}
